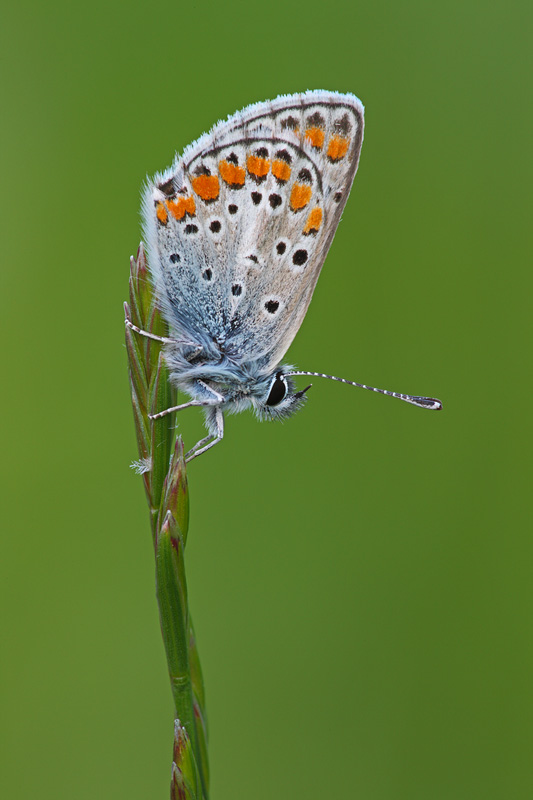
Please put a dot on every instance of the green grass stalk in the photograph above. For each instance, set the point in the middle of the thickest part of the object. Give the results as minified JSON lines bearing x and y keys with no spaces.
{"x":162,"y":468}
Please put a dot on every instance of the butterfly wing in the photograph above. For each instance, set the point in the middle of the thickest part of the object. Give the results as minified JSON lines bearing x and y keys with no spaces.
{"x":238,"y":229}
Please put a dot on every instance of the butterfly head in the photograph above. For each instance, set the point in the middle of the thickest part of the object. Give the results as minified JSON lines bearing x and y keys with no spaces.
{"x":277,"y":397}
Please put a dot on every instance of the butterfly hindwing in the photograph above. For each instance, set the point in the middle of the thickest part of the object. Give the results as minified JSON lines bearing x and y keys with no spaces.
{"x":238,"y":229}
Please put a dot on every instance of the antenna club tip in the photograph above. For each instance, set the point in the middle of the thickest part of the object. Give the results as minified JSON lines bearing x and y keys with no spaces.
{"x":431,"y":403}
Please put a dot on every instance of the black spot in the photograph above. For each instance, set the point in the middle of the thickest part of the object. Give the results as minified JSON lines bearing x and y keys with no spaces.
{"x":337,"y":197}
{"x":305,"y":175}
{"x":262,"y":152}
{"x":253,"y":258}
{"x":342,"y":125}
{"x":167,"y":188}
{"x":299,"y":258}
{"x":274,"y":200}
{"x":232,"y":159}
{"x":316,"y":120}
{"x":207,"y":275}
{"x":278,"y":390}
{"x":236,"y":289}
{"x":215,"y":226}
{"x":281,"y":247}
{"x":256,"y":198}
{"x":290,"y":122}
{"x":191,"y":229}
{"x":232,"y":208}
{"x":201,"y":169}
{"x":284,"y":155}
{"x":174,"y":257}
{"x":272,"y":306}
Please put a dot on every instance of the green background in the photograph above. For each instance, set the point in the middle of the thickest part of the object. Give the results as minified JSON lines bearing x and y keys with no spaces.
{"x":359,"y":577}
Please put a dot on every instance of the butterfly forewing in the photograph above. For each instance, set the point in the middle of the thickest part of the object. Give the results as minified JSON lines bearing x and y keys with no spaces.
{"x":238,"y":229}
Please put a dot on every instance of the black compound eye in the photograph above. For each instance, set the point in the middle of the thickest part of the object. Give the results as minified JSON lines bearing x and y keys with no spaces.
{"x":278,"y":390}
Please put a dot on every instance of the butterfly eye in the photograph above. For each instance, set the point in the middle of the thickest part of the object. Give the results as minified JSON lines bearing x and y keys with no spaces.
{"x":278,"y":390}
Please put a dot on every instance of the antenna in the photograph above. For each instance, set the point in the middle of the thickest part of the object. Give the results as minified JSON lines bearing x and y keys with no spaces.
{"x":422,"y":402}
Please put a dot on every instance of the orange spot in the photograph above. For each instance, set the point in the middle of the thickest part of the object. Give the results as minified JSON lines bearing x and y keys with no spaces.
{"x":206,"y":186}
{"x":337,"y":147}
{"x":161,"y":213}
{"x":281,"y":170}
{"x":181,"y":206}
{"x":316,"y":137}
{"x":314,"y":221}
{"x":232,"y":174}
{"x":300,"y":196}
{"x":258,"y":166}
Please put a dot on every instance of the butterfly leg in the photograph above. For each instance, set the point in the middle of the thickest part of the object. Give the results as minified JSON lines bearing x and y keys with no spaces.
{"x":163,"y":339}
{"x":177,"y":408}
{"x":216,"y":398}
{"x":199,"y":447}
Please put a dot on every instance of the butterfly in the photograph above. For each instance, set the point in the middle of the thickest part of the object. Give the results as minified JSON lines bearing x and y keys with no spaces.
{"x":237,"y":231}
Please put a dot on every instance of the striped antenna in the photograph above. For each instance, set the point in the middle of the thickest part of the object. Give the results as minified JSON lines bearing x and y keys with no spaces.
{"x":422,"y":402}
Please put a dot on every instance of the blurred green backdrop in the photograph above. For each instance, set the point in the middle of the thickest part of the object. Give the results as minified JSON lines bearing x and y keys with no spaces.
{"x":360,"y":577}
